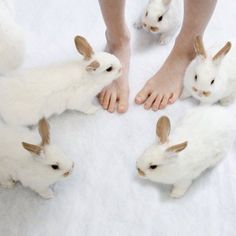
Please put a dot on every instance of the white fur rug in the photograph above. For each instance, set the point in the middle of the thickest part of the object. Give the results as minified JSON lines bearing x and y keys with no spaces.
{"x":104,"y":196}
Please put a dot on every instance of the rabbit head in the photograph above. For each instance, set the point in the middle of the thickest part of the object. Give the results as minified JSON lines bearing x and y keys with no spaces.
{"x":51,"y":161}
{"x":98,"y":64}
{"x":158,"y":160}
{"x":202,"y":76}
{"x":153,"y":17}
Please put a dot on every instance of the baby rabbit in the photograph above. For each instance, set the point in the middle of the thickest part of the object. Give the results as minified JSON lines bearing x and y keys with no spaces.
{"x":162,"y":17}
{"x":43,"y":92}
{"x":211,"y":78}
{"x":202,"y":138}
{"x":12,"y":42}
{"x":35,"y":166}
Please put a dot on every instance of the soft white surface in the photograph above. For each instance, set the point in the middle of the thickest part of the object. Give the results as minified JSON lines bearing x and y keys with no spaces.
{"x":104,"y":196}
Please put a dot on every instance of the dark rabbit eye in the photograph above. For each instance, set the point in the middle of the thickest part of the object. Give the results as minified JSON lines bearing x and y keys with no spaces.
{"x":55,"y":167}
{"x":212,"y":82}
{"x":195,"y":77}
{"x":153,"y":167}
{"x":146,"y":13}
{"x":109,"y":69}
{"x":160,"y":18}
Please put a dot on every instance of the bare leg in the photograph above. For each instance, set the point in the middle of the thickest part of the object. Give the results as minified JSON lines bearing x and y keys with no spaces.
{"x":115,"y":96}
{"x":165,"y":86}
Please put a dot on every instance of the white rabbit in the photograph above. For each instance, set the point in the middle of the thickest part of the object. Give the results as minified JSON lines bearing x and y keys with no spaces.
{"x":12,"y":42}
{"x":162,"y":17}
{"x":42,"y":92}
{"x":35,"y":166}
{"x":211,"y":78}
{"x":202,"y":138}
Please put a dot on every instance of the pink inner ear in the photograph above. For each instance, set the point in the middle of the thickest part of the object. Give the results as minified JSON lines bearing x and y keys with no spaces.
{"x":223,"y":51}
{"x":93,"y":66}
{"x":199,"y":47}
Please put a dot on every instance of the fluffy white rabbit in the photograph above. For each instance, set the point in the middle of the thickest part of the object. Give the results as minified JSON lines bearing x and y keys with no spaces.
{"x":43,"y":92}
{"x":35,"y":166}
{"x":200,"y":140}
{"x":162,"y":17}
{"x":12,"y":43}
{"x":211,"y":77}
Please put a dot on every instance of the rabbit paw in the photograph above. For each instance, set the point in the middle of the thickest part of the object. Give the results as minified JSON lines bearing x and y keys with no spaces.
{"x":92,"y":109}
{"x":47,"y":194}
{"x":8,"y":184}
{"x":176,"y":193}
{"x":164,"y":39}
{"x":179,"y":189}
{"x":227,"y":101}
{"x":185,"y":94}
{"x":138,"y":25}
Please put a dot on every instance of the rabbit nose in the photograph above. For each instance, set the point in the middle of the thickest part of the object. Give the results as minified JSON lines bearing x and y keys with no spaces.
{"x":140,"y":172}
{"x":66,"y":174}
{"x":70,"y":171}
{"x":154,"y":29}
{"x":194,"y":89}
{"x":206,"y":93}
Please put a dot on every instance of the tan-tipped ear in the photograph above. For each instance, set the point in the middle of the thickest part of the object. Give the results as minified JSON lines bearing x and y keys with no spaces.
{"x":43,"y":128}
{"x":92,"y":66}
{"x":35,"y":149}
{"x":83,"y":47}
{"x":199,"y":47}
{"x":177,"y":148}
{"x":166,"y":2}
{"x":223,"y":51}
{"x":163,"y":129}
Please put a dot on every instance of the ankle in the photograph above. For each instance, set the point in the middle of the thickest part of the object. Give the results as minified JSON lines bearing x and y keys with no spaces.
{"x":184,"y":48}
{"x":118,"y":39}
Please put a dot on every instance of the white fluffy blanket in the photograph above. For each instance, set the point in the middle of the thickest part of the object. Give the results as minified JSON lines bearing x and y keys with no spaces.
{"x":104,"y":196}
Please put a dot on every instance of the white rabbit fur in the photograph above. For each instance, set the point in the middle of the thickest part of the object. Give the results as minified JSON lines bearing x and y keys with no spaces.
{"x":12,"y":42}
{"x":43,"y":92}
{"x":206,"y":134}
{"x":162,"y":17}
{"x":216,"y":78}
{"x":32,"y":169}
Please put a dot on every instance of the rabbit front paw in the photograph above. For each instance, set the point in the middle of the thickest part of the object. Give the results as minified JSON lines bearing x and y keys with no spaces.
{"x":47,"y":193}
{"x":8,"y":184}
{"x":92,"y":109}
{"x":180,"y":189}
{"x":227,"y":101}
{"x":176,"y":193}
{"x":138,"y":25}
{"x":185,"y":94}
{"x":164,"y":39}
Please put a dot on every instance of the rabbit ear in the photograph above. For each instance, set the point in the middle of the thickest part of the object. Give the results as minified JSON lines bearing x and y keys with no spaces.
{"x":92,"y":66}
{"x":43,"y":128}
{"x":83,"y":47}
{"x":177,"y":148}
{"x":35,"y":149}
{"x":163,"y":129}
{"x":166,"y":2}
{"x":223,"y":51}
{"x":199,"y":47}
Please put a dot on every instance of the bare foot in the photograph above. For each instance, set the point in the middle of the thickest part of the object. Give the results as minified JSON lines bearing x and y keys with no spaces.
{"x":116,"y":95}
{"x":166,"y":85}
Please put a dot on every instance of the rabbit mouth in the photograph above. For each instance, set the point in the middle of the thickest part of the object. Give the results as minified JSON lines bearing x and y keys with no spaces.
{"x":70,"y":171}
{"x":201,"y":93}
{"x":141,"y":173}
